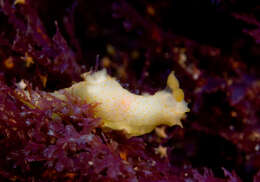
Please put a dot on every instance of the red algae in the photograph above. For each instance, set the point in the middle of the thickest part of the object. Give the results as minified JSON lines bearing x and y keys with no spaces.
{"x":46,"y":45}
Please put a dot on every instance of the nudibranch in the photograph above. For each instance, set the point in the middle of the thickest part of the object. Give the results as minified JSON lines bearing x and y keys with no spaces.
{"x":120,"y":109}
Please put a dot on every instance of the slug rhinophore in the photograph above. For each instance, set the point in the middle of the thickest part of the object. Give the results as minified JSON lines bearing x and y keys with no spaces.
{"x":120,"y":109}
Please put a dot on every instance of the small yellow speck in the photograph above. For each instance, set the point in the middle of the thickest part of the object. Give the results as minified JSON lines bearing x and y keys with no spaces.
{"x":150,"y":10}
{"x":44,"y":80}
{"x":19,"y":2}
{"x":28,"y":60}
{"x":123,"y":155}
{"x":121,"y":72}
{"x":234,"y":114}
{"x":106,"y":62}
{"x":9,"y":63}
{"x":111,"y":49}
{"x":162,"y":151}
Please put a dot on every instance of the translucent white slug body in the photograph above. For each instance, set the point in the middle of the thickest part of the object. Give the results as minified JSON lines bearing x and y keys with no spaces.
{"x":120,"y":109}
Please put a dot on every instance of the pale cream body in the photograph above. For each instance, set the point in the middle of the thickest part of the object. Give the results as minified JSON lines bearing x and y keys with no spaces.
{"x":120,"y":109}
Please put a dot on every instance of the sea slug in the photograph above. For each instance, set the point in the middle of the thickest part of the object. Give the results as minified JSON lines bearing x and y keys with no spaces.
{"x":120,"y":109}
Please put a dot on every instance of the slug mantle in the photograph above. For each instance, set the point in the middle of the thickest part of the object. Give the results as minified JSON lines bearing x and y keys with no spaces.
{"x":120,"y":109}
